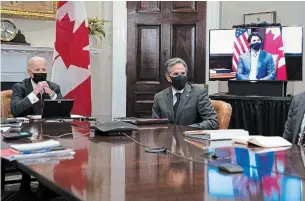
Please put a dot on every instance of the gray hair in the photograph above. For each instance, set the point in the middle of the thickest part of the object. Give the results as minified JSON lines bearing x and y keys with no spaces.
{"x":172,"y":62}
{"x":36,"y":58}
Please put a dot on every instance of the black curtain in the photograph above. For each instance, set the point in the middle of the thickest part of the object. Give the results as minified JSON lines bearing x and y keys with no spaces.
{"x":259,"y":117}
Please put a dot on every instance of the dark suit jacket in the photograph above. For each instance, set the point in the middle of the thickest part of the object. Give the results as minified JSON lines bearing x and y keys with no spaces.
{"x":195,"y":108}
{"x":265,"y":66}
{"x":295,"y":117}
{"x":21,"y":106}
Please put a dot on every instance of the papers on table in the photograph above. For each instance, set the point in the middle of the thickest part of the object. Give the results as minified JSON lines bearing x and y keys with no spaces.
{"x":211,"y":135}
{"x":44,"y":151}
{"x":13,"y":125}
{"x":262,"y":141}
{"x":38,"y":117}
{"x":35,"y":146}
{"x":5,"y":129}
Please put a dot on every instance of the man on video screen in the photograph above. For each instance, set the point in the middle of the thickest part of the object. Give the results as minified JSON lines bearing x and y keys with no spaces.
{"x":256,"y":64}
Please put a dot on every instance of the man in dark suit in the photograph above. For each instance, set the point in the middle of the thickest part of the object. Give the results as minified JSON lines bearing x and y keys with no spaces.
{"x":295,"y":124}
{"x":255,"y":64}
{"x":28,"y":95}
{"x":182,"y":103}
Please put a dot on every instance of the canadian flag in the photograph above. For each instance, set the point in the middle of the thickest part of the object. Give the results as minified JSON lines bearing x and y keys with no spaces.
{"x":273,"y":43}
{"x":71,"y":59}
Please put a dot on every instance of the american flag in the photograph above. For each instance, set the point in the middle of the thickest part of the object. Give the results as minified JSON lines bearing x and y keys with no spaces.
{"x":241,"y":46}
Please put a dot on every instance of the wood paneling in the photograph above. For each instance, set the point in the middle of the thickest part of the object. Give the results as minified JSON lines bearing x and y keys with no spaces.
{"x":184,"y":46}
{"x":177,"y":30}
{"x":148,"y":6}
{"x":148,"y":49}
{"x":184,"y":6}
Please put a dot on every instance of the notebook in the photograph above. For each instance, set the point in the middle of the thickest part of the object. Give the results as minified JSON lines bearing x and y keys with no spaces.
{"x":222,"y":134}
{"x":262,"y":141}
{"x":35,"y":146}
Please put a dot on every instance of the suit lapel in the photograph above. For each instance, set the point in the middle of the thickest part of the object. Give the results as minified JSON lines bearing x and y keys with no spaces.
{"x":185,"y":96}
{"x":28,"y":86}
{"x":299,"y":117}
{"x":169,"y":103}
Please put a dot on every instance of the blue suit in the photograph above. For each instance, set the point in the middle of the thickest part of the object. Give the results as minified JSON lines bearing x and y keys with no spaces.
{"x":265,"y":66}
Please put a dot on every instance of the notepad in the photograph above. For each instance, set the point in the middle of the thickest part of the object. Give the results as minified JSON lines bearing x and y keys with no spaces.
{"x":262,"y":141}
{"x":35,"y":146}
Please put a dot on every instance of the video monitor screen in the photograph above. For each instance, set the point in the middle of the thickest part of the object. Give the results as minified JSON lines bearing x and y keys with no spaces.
{"x":264,"y":53}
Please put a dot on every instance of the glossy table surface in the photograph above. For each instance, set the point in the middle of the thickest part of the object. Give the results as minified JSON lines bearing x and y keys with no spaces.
{"x":117,"y":168}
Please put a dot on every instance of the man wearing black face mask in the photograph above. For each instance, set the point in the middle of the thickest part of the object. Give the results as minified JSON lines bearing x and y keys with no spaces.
{"x":255,"y":64}
{"x":182,"y":103}
{"x":28,"y":95}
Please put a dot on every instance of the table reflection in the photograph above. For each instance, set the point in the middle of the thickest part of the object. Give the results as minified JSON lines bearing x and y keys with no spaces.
{"x":267,"y":182}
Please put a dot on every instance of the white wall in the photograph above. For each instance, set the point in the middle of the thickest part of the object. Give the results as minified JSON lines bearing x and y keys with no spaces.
{"x":288,"y":13}
{"x":42,"y":33}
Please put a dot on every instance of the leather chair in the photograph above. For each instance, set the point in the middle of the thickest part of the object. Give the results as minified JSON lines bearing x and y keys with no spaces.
{"x":224,"y":112}
{"x":5,"y":103}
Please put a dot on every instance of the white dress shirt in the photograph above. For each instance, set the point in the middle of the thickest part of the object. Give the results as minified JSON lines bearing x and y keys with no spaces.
{"x":303,"y":124}
{"x":254,"y":61}
{"x":174,"y":94}
{"x":33,"y":98}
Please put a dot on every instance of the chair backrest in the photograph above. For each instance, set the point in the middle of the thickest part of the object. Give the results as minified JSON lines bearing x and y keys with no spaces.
{"x":224,"y":112}
{"x":5,"y":103}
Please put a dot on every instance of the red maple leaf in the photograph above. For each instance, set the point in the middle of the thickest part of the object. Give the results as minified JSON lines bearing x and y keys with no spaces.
{"x":61,"y":3}
{"x":272,"y":45}
{"x":69,"y":45}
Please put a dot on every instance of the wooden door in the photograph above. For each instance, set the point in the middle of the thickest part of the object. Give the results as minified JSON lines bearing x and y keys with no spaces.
{"x":158,"y":31}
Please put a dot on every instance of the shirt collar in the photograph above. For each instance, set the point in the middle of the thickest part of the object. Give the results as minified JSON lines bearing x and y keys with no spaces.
{"x":176,"y":91}
{"x":33,"y":83}
{"x":253,"y":53}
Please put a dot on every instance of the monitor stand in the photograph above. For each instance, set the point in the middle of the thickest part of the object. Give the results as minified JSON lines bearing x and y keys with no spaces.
{"x":257,"y":88}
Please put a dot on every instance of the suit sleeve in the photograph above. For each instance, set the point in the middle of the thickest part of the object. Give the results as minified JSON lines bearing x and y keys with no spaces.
{"x":207,"y":113}
{"x":155,"y":109}
{"x":288,"y":125}
{"x":270,"y":69}
{"x":58,"y":92}
{"x":19,"y":101}
{"x":240,"y":70}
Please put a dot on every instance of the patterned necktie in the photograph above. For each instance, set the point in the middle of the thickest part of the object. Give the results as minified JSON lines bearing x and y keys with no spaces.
{"x":301,"y":141}
{"x":177,"y":102}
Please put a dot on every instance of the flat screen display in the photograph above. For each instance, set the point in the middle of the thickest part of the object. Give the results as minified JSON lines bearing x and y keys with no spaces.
{"x":256,"y":54}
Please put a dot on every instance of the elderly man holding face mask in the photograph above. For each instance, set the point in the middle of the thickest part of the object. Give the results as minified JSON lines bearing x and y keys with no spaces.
{"x":183,"y":103}
{"x":29,"y":94}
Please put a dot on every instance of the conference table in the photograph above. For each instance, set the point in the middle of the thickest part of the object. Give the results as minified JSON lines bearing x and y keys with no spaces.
{"x":117,"y":168}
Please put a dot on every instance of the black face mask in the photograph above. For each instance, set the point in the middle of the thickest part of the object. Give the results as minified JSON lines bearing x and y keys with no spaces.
{"x":39,"y":77}
{"x":178,"y":82}
{"x":256,"y":46}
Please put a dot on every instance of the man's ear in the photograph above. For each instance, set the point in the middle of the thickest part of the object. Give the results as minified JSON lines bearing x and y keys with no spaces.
{"x":29,"y":72}
{"x":168,"y":78}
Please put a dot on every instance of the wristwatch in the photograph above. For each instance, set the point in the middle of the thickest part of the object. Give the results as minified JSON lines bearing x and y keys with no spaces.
{"x":53,"y":94}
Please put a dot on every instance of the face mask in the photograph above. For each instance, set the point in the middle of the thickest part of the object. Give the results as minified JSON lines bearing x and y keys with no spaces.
{"x":256,"y":46}
{"x":178,"y":82}
{"x":39,"y":77}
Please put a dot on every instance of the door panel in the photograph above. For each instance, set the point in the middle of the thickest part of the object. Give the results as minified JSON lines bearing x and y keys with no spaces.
{"x":158,"y":31}
{"x":184,"y":46}
{"x":148,"y":58}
